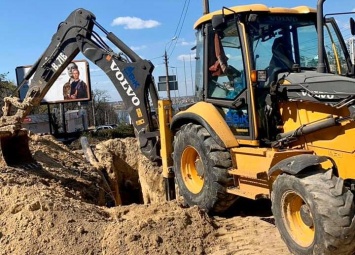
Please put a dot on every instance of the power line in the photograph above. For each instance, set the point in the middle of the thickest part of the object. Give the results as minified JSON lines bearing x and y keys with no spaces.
{"x":182,"y":21}
{"x":177,"y":27}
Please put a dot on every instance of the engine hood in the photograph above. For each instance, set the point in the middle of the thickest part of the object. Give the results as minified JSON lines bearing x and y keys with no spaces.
{"x":314,"y":86}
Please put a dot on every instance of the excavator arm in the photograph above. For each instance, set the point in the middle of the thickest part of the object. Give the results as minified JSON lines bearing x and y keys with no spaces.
{"x":131,"y":75}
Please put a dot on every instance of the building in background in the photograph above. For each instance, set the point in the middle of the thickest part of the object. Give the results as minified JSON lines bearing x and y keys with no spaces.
{"x":38,"y":123}
{"x":75,"y":121}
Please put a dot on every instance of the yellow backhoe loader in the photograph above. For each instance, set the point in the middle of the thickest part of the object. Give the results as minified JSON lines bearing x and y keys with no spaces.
{"x":274,"y":116}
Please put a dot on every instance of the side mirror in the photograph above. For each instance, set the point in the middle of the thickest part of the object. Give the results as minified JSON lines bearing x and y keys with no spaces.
{"x":352,"y":26}
{"x":218,"y":22}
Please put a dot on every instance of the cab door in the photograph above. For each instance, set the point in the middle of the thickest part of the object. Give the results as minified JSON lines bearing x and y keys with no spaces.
{"x":228,"y":84}
{"x":338,"y":57}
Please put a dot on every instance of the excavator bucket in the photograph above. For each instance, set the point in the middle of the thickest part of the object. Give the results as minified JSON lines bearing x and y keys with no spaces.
{"x":15,"y":149}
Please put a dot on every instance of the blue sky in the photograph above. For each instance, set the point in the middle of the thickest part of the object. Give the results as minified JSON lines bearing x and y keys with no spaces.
{"x":146,"y":26}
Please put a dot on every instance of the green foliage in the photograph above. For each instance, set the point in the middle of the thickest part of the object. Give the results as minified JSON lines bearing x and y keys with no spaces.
{"x":121,"y":131}
{"x":6,"y":87}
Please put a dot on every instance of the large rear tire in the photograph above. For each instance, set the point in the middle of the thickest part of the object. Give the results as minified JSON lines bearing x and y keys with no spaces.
{"x":314,"y":214}
{"x":201,"y":169}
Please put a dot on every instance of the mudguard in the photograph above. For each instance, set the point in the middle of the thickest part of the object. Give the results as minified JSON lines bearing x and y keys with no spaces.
{"x":208,"y":116}
{"x":295,"y":164}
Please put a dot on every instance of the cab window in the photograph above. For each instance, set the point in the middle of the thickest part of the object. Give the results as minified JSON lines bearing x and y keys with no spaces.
{"x":334,"y":51}
{"x":226,"y":70}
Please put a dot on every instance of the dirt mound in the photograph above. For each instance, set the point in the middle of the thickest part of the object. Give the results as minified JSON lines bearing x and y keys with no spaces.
{"x":164,"y":228}
{"x":59,"y":206}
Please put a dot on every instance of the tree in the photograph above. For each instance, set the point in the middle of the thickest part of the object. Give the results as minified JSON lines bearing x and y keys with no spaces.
{"x":101,"y":110}
{"x":7,"y":87}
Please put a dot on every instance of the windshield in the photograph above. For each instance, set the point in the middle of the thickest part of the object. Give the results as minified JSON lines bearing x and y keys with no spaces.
{"x":280,"y":41}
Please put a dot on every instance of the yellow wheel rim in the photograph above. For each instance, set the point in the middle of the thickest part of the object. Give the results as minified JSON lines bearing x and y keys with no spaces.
{"x":192,"y":170}
{"x":298,"y":218}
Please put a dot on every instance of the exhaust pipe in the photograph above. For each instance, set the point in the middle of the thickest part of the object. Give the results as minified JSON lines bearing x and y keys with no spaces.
{"x":320,"y":29}
{"x":206,"y":7}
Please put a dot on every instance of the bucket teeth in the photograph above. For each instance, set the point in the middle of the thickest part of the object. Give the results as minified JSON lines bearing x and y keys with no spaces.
{"x":31,"y":166}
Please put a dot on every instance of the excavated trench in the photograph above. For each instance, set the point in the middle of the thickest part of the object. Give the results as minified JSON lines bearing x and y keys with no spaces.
{"x":132,"y":178}
{"x":119,"y":174}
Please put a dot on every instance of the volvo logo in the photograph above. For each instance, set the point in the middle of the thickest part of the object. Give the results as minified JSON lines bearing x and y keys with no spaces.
{"x":318,"y":94}
{"x":125,"y":84}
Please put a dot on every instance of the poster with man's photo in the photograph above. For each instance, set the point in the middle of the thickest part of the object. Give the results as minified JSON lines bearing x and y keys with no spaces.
{"x":73,"y":85}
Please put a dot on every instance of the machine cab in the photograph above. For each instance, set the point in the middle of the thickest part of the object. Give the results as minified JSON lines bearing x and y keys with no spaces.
{"x":241,"y":52}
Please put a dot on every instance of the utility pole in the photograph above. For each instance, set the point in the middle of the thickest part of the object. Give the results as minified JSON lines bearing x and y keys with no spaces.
{"x":166,"y":67}
{"x":62,"y":111}
{"x":167,"y":74}
{"x":93,"y":110}
{"x":185,"y":75}
{"x":175,"y":86}
{"x":192,"y":79}
{"x":352,"y":49}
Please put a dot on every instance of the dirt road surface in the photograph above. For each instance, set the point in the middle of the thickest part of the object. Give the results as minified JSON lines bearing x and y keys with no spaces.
{"x":64,"y":205}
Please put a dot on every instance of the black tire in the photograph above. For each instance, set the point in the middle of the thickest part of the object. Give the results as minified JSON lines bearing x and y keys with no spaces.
{"x":314,"y":214}
{"x":201,"y":169}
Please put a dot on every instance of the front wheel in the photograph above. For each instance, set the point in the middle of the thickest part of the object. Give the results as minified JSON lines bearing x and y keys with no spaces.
{"x":314,"y":214}
{"x":201,"y":169}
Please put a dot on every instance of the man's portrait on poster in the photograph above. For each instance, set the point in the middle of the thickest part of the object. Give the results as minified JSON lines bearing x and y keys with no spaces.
{"x":73,"y":84}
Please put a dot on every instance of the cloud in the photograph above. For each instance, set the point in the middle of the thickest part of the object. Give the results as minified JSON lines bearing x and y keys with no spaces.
{"x":136,"y":48}
{"x":185,"y":43}
{"x":186,"y":57}
{"x":134,"y":23}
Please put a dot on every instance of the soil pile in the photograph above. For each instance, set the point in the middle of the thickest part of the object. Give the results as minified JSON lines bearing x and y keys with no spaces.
{"x":61,"y":205}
